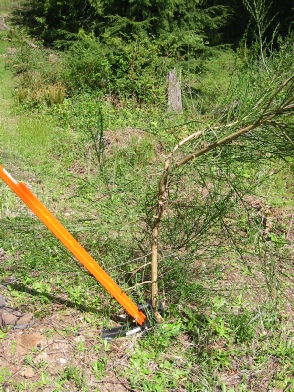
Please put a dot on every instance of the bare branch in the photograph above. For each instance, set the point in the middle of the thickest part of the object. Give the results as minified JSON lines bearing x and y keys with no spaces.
{"x":277,"y":92}
{"x":232,"y":136}
{"x":4,"y":26}
{"x":138,"y":284}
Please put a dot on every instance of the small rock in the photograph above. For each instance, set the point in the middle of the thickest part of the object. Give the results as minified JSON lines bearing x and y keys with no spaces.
{"x":79,"y":339}
{"x":28,"y":373}
{"x":53,"y":371}
{"x":63,"y":361}
{"x":42,"y":357}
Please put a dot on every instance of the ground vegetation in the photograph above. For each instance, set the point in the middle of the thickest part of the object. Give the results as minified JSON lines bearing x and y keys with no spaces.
{"x":205,"y":195}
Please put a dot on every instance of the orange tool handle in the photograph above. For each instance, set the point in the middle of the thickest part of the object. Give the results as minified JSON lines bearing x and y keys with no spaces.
{"x":72,"y":245}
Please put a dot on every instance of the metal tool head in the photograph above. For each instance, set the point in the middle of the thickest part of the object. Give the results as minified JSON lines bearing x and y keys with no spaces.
{"x":132,"y":327}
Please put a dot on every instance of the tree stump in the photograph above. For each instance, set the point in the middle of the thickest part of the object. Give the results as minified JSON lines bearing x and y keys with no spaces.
{"x":174,"y":103}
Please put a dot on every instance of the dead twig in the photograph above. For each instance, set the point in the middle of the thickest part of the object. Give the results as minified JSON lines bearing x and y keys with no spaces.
{"x":290,"y":228}
{"x":138,"y":284}
{"x":4,"y":26}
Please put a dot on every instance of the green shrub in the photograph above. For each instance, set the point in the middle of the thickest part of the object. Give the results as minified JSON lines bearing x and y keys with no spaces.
{"x":139,"y":70}
{"x":135,"y":69}
{"x":86,"y":65}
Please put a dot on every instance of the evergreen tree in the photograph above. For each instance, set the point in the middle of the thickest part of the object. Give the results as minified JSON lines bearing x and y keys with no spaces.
{"x":53,"y":20}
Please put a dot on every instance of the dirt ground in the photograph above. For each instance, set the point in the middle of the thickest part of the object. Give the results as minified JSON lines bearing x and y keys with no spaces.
{"x":62,"y":351}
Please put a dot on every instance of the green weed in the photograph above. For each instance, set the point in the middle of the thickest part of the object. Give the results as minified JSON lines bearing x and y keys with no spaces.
{"x":147,"y":373}
{"x":4,"y":374}
{"x":98,"y":368}
{"x":72,"y":374}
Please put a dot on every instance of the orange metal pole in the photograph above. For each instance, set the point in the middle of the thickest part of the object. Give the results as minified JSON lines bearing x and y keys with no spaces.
{"x":72,"y":245}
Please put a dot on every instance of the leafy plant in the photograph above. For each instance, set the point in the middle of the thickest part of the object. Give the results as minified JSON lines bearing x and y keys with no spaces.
{"x":72,"y":373}
{"x":99,"y":368}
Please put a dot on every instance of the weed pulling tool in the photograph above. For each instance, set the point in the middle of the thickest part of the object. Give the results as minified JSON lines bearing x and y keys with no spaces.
{"x":140,"y":315}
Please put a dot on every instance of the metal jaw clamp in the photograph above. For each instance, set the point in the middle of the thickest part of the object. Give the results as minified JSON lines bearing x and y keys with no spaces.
{"x":132,"y":327}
